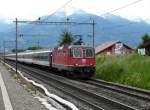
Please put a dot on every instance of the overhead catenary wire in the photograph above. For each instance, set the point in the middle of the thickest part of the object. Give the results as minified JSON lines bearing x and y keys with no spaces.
{"x":122,"y":7}
{"x":53,"y":12}
{"x":117,"y":9}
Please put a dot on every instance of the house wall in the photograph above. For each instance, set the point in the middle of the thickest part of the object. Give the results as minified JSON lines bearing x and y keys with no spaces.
{"x":127,"y":50}
{"x":111,"y":50}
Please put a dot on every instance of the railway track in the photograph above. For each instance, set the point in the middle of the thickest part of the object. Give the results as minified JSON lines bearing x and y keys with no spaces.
{"x":130,"y":91}
{"x":44,"y":79}
{"x":92,"y":99}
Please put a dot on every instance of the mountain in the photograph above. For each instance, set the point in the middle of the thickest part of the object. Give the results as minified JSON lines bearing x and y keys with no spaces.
{"x":108,"y":27}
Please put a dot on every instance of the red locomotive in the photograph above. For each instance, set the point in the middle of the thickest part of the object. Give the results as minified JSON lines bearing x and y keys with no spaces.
{"x":76,"y":60}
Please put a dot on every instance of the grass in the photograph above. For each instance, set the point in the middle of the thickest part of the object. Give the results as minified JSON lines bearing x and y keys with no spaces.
{"x":133,"y":69}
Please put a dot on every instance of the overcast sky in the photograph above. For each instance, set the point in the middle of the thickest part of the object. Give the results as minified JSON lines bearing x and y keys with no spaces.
{"x":32,"y":9}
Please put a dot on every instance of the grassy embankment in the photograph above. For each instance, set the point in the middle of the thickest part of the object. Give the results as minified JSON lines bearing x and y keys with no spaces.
{"x":133,"y":69}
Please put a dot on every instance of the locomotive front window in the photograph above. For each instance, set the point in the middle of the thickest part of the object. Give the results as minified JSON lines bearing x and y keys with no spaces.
{"x":89,"y":53}
{"x":77,"y":53}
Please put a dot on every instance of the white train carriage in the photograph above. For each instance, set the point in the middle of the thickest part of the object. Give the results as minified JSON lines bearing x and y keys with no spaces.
{"x":42,"y":57}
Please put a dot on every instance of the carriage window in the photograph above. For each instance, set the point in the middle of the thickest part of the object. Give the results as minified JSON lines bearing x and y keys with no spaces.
{"x":89,"y":53}
{"x":77,"y":53}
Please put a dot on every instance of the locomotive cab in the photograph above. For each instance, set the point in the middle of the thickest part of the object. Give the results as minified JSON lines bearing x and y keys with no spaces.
{"x":83,"y":60}
{"x":76,"y":60}
{"x":83,"y":56}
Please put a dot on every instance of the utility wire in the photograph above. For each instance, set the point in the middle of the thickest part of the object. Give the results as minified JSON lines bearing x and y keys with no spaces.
{"x":58,"y":9}
{"x":120,"y":8}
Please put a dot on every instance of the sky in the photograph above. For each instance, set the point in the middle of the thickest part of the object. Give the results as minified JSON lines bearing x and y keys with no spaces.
{"x":32,"y":9}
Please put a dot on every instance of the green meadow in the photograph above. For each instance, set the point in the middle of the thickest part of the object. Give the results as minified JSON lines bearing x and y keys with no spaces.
{"x":132,"y":69}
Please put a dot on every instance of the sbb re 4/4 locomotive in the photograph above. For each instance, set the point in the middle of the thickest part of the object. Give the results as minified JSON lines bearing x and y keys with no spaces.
{"x":78,"y":61}
{"x":74,"y":60}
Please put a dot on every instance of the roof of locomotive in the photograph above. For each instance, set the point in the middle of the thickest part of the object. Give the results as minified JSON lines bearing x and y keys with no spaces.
{"x":73,"y":46}
{"x":32,"y":52}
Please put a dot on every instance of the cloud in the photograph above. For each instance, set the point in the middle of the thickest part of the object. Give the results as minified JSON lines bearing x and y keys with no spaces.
{"x":32,"y":9}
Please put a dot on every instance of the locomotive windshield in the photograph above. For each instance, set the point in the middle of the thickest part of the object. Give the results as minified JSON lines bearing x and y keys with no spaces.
{"x":77,"y":53}
{"x":89,"y":52}
{"x":80,"y":53}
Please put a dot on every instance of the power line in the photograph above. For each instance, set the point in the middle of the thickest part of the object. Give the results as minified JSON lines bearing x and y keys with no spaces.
{"x":122,"y":7}
{"x":58,"y":9}
{"x":33,"y":35}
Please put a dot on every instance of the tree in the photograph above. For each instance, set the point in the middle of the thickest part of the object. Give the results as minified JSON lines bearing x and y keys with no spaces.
{"x":145,"y":38}
{"x":34,"y":48}
{"x":66,"y":39}
{"x":29,"y":48}
{"x":19,"y":50}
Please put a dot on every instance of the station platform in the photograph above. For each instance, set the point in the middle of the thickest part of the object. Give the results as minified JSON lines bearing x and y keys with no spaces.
{"x":1,"y":101}
{"x":13,"y":96}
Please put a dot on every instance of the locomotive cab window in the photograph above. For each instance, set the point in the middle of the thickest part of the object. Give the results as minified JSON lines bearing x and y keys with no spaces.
{"x":89,"y":52}
{"x":77,"y":52}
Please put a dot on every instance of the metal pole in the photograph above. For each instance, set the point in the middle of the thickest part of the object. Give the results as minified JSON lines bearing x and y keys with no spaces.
{"x":4,"y":50}
{"x":38,"y":44}
{"x":93,"y":33}
{"x":67,"y":28}
{"x":16,"y":44}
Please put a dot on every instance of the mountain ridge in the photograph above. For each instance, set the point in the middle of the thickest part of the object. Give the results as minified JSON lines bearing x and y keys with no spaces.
{"x":108,"y":27}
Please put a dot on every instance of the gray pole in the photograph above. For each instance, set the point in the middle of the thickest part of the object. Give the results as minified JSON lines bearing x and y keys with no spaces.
{"x":16,"y":45}
{"x":4,"y":50}
{"x":93,"y":34}
{"x":38,"y":44}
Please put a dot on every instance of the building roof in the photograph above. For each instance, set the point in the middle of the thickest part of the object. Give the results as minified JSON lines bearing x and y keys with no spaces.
{"x":104,"y":46}
{"x":107,"y":45}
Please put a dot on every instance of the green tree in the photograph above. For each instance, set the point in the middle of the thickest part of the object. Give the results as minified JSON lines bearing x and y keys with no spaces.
{"x":145,"y":38}
{"x":34,"y":48}
{"x":19,"y":50}
{"x":29,"y":48}
{"x":66,"y":39}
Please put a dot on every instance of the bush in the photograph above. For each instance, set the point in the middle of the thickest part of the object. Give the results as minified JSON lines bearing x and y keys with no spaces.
{"x":130,"y":69}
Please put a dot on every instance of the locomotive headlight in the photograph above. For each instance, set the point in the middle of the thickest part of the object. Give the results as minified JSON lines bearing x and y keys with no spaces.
{"x":76,"y":64}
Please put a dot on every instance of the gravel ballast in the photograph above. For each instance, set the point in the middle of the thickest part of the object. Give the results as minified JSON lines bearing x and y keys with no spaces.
{"x":20,"y":98}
